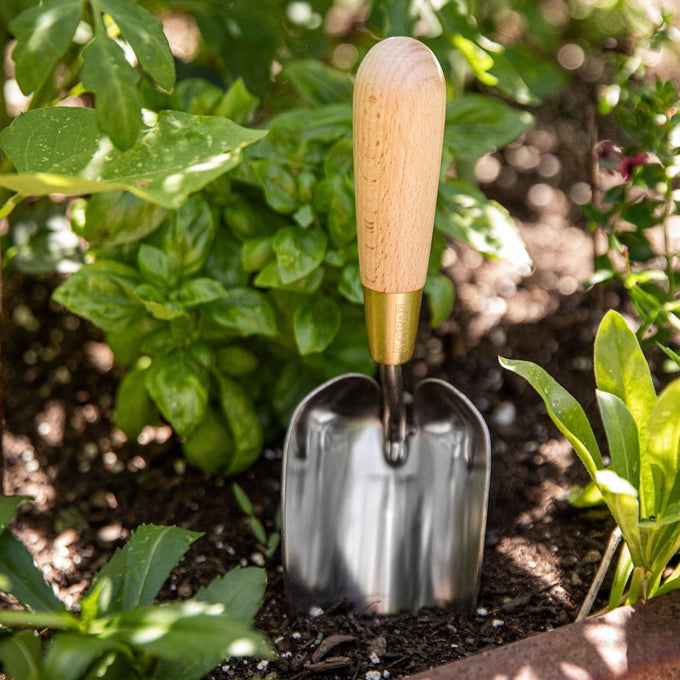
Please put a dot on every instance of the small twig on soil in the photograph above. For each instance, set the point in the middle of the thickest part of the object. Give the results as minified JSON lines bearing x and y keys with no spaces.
{"x":595,"y":586}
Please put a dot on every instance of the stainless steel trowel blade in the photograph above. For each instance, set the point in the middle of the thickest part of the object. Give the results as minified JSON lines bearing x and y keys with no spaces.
{"x":386,"y":538}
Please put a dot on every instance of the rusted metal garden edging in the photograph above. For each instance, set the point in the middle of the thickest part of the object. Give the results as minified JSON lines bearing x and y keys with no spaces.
{"x":638,"y":642}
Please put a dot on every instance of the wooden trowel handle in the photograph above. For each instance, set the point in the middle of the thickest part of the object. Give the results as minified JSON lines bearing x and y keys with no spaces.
{"x":399,"y":111}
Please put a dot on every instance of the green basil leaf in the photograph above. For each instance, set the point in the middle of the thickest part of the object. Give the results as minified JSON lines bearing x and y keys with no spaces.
{"x":316,"y":322}
{"x":189,"y":234}
{"x":43,"y":34}
{"x":622,"y":437}
{"x":563,"y":410}
{"x":349,"y":285}
{"x":155,"y":266}
{"x":465,"y":214}
{"x":102,"y":293}
{"x":115,"y":217}
{"x":179,"y":386}
{"x":270,"y":277}
{"x":240,"y":590}
{"x":176,"y":154}
{"x":19,"y":576}
{"x":144,"y":32}
{"x":224,"y":261}
{"x":440,"y":295}
{"x":21,"y":655}
{"x":477,"y":124}
{"x":621,"y":369}
{"x":256,"y":253}
{"x":156,"y":303}
{"x":200,"y":291}
{"x":113,"y":80}
{"x":244,"y":424}
{"x":237,"y":103}
{"x":236,"y":361}
{"x":134,"y":406}
{"x":243,"y":312}
{"x":280,"y":187}
{"x":317,"y":83}
{"x":153,"y":552}
{"x":298,"y":252}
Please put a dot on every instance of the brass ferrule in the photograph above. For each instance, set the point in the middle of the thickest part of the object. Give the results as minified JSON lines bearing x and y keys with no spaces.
{"x":392,"y":324}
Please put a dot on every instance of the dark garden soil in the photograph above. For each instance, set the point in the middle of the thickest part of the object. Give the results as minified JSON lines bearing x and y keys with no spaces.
{"x":92,"y":487}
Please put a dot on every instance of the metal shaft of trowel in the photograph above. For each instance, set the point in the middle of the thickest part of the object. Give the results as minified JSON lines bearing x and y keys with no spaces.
{"x":394,"y":414}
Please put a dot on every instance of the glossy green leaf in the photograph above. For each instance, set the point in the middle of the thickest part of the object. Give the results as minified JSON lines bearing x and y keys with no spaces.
{"x":107,"y":73}
{"x":144,"y":32}
{"x":240,"y":590}
{"x":465,"y":214}
{"x":244,"y":423}
{"x":243,"y":312}
{"x":477,"y":124}
{"x":115,"y":217}
{"x":624,"y":569}
{"x":189,"y":235}
{"x":270,"y":277}
{"x":298,"y":252}
{"x":279,"y":185}
{"x":237,"y":103}
{"x":60,"y":149}
{"x":317,"y":83}
{"x":256,"y":253}
{"x":316,"y":323}
{"x":622,"y":437}
{"x":155,"y":266}
{"x":440,"y":295}
{"x":179,"y":386}
{"x":199,"y":291}
{"x":153,"y":552}
{"x":105,"y":593}
{"x":69,"y":656}
{"x":621,"y":369}
{"x":349,"y":285}
{"x":622,"y":500}
{"x":43,"y":34}
{"x":563,"y":410}
{"x":21,"y":655}
{"x":158,"y":304}
{"x":224,"y":261}
{"x":192,"y":630}
{"x":134,"y":407}
{"x":663,"y":450}
{"x":19,"y":576}
{"x":102,"y":293}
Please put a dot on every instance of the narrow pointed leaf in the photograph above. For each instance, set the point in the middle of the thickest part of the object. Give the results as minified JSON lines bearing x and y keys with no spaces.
{"x":621,"y":369}
{"x":105,"y":594}
{"x":61,"y":149}
{"x":563,"y":410}
{"x":624,"y":568}
{"x":240,"y":590}
{"x":8,"y":508}
{"x":21,"y":655}
{"x":69,"y":656}
{"x":153,"y":553}
{"x":622,"y":436}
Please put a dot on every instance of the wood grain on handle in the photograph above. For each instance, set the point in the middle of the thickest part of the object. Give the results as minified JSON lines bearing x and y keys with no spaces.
{"x":399,"y":111}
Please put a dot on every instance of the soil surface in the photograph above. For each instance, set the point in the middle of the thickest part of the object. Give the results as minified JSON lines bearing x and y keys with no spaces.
{"x":93,"y":487}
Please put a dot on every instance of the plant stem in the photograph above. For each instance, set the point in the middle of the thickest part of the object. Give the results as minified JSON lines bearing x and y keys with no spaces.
{"x":612,"y":546}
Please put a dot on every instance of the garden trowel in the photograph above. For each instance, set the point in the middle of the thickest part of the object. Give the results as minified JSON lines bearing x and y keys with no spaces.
{"x":384,"y":501}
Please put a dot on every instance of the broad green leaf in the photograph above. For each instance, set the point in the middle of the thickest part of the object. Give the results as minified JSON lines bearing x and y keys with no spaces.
{"x":189,"y":234}
{"x":465,"y":214}
{"x":70,"y":655}
{"x":622,"y":437}
{"x":134,"y":406}
{"x":158,"y":303}
{"x":19,"y":576}
{"x":243,"y":312}
{"x":153,"y":552}
{"x":349,"y":285}
{"x":316,"y":322}
{"x":621,"y":369}
{"x":317,"y":83}
{"x":270,"y":277}
{"x":60,"y":149}
{"x":8,"y":508}
{"x":563,"y":410}
{"x":236,"y":361}
{"x":477,"y":124}
{"x":179,"y":386}
{"x":192,"y":630}
{"x":280,"y":187}
{"x":663,"y":450}
{"x":298,"y":252}
{"x":43,"y":34}
{"x":585,"y":497}
{"x":440,"y":295}
{"x":240,"y":590}
{"x":115,"y":217}
{"x":155,"y":266}
{"x":21,"y":655}
{"x":256,"y":252}
{"x":510,"y":81}
{"x":622,"y":500}
{"x":244,"y":423}
{"x":544,"y":78}
{"x":107,"y":73}
{"x":224,"y":261}
{"x":237,"y":103}
{"x":144,"y":32}
{"x":102,"y":293}
{"x":200,"y":291}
